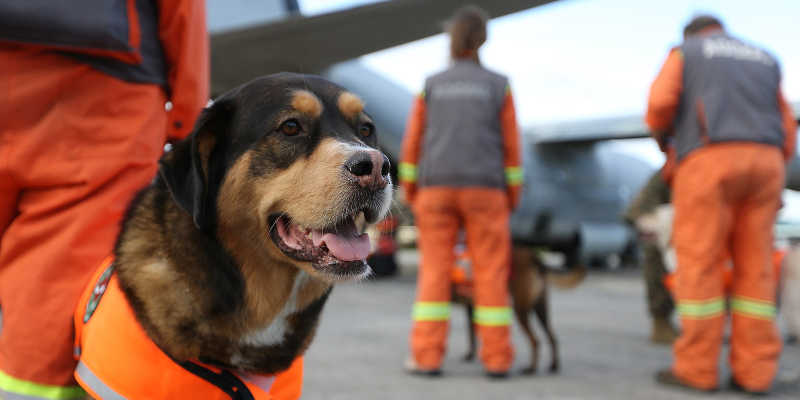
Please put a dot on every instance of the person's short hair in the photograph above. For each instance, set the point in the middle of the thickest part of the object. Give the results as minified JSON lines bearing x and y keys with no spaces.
{"x":467,"y":29}
{"x":699,"y":23}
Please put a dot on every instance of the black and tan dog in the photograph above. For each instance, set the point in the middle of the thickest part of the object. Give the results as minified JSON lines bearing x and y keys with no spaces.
{"x":229,"y":256}
{"x":528,"y":285}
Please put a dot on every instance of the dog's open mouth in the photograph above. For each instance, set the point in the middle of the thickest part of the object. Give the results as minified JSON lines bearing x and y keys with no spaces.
{"x":341,"y":245}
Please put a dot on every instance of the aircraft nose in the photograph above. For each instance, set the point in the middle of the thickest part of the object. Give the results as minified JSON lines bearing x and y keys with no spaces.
{"x":370,"y":169}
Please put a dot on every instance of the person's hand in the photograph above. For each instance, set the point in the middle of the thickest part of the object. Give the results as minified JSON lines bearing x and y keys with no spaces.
{"x":514,"y":193}
{"x":663,"y":140}
{"x":409,"y":193}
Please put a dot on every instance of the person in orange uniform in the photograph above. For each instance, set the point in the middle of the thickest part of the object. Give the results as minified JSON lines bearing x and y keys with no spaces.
{"x":461,"y":168}
{"x":81,"y":129}
{"x":717,"y":101}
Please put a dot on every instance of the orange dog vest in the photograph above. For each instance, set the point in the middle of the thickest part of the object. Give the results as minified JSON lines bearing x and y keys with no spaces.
{"x":117,"y":360}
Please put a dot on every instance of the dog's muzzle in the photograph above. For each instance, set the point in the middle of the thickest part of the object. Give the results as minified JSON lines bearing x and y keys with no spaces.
{"x":369,"y":168}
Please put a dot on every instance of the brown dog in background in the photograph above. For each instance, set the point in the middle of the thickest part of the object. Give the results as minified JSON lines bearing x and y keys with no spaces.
{"x":528,"y":286}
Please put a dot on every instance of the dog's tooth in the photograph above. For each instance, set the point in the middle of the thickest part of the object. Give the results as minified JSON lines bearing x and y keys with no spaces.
{"x":361,"y":221}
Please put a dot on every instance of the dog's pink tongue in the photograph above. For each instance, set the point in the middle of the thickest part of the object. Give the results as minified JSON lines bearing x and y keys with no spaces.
{"x":345,"y":247}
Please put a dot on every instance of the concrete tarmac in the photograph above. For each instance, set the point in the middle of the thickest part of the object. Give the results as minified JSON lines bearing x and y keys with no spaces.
{"x":602,"y":327}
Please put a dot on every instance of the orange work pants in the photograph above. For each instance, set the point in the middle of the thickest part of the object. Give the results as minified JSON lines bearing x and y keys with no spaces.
{"x":75,"y":146}
{"x":439,"y":214}
{"x":726,"y":199}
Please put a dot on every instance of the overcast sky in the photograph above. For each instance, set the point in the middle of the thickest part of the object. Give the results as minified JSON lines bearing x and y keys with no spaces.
{"x":579,"y":59}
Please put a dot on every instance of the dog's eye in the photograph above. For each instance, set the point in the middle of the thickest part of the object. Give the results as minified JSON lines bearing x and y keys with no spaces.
{"x":366,"y":129}
{"x":290,"y":127}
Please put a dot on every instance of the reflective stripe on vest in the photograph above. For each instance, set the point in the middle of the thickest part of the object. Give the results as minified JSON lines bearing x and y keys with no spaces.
{"x":88,"y":378}
{"x":701,"y":309}
{"x":492,"y":316}
{"x":12,"y":389}
{"x":431,"y":311}
{"x":753,"y":308}
{"x":111,"y":308}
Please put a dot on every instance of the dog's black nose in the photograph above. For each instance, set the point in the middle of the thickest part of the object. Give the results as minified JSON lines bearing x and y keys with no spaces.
{"x":370,"y":168}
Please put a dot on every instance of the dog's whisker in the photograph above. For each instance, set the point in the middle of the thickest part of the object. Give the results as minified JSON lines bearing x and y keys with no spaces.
{"x":275,"y":223}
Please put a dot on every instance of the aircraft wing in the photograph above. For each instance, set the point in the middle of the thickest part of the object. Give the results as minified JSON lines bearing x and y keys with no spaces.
{"x":310,"y":44}
{"x":587,"y":131}
{"x":629,"y":127}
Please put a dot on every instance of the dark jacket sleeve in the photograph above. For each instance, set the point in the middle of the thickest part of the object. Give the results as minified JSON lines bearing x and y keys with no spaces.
{"x":654,"y":193}
{"x":789,"y":128}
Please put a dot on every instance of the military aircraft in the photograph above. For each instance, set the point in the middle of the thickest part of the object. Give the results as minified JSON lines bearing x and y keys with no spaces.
{"x":576,"y":183}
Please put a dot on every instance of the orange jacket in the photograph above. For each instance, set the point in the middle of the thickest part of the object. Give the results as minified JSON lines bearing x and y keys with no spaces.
{"x":665,"y":96}
{"x":412,"y":146}
{"x":183,"y":34}
{"x":116,"y":358}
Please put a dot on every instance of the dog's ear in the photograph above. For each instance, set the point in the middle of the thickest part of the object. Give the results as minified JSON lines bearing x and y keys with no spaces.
{"x":187,"y":168}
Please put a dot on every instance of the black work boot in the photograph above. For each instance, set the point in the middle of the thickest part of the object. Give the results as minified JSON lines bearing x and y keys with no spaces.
{"x":667,"y":378}
{"x":736,"y":387}
{"x":497,"y":375}
{"x":412,"y":368}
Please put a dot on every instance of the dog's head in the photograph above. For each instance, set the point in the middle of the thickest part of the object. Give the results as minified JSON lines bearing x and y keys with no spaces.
{"x":284,"y":168}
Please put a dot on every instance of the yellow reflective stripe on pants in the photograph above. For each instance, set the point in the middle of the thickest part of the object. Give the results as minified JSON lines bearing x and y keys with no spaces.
{"x":13,"y":388}
{"x":492,"y":316}
{"x":700,"y":309}
{"x":89,"y":379}
{"x":514,"y":175}
{"x":407,"y":172}
{"x":753,"y":307}
{"x":431,"y":311}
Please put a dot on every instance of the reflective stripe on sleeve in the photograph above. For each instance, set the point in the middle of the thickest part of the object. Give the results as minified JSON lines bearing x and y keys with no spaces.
{"x":88,"y":378}
{"x":13,"y":388}
{"x":407,"y":172}
{"x":514,"y":176}
{"x":753,"y":307}
{"x":700,"y":309}
{"x":431,"y":311}
{"x":492,"y":316}
{"x":14,"y":396}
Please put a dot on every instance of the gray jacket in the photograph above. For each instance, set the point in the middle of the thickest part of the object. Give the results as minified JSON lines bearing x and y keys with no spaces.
{"x":730,"y":93}
{"x":463,"y":143}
